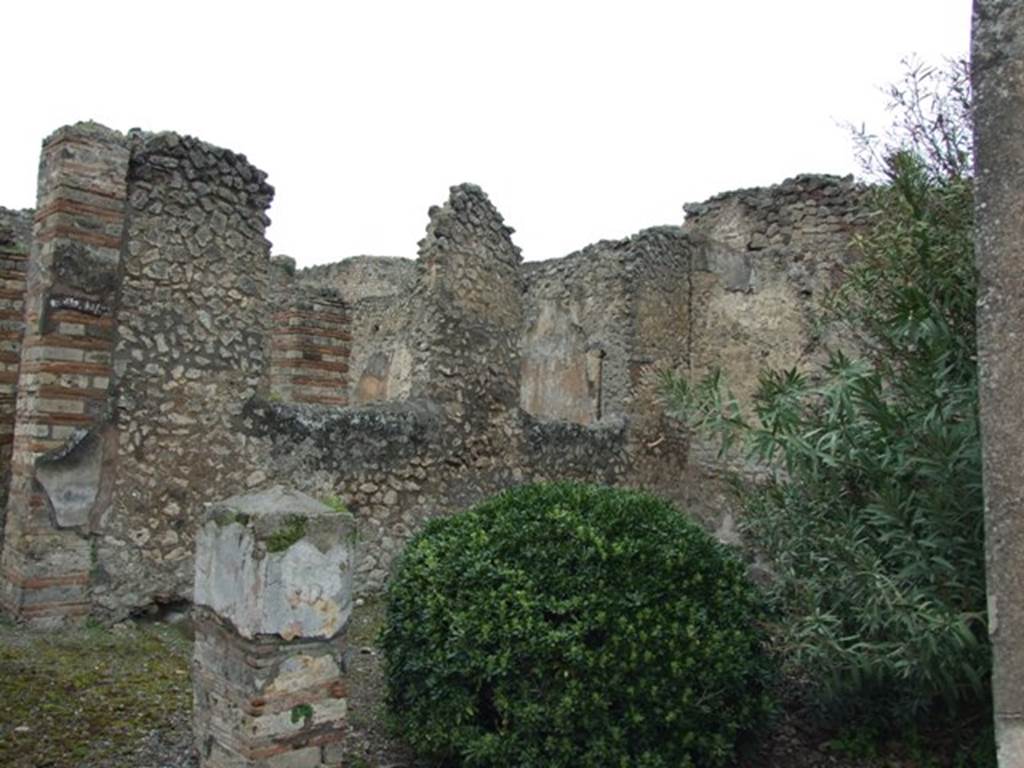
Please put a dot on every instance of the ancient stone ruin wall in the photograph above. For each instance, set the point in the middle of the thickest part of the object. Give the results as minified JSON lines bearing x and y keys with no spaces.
{"x":190,"y":352}
{"x":575,"y":336}
{"x":773,"y":254}
{"x":459,"y":436}
{"x":168,"y":362}
{"x":15,"y":242}
{"x":145,"y":315}
{"x":376,"y":290}
{"x":16,"y":228}
{"x":660,"y":279}
{"x":770,"y":256}
{"x":802,"y":214}
{"x":467,"y":309}
{"x":597,"y":319}
{"x":363,"y":277}
{"x":310,"y":340}
{"x":646,"y":302}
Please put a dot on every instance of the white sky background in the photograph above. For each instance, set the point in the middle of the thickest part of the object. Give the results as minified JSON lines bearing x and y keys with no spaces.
{"x":581,"y":120}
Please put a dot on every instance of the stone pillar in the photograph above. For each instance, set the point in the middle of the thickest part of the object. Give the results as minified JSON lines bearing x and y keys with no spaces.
{"x":65,"y":373}
{"x":273,"y":595}
{"x":998,"y":78}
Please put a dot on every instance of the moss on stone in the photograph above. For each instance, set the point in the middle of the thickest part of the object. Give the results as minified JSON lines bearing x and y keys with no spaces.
{"x":303,"y":712}
{"x":335,"y":504}
{"x":293,"y":529}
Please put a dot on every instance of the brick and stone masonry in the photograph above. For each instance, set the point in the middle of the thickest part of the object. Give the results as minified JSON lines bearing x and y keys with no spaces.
{"x":309,"y":349}
{"x":168,"y":360}
{"x":15,"y":241}
{"x":65,"y":373}
{"x":273,"y":595}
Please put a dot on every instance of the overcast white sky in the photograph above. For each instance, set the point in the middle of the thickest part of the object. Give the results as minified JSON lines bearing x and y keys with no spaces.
{"x":582,"y":120}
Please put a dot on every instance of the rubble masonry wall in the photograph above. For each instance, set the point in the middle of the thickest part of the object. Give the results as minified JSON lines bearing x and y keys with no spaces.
{"x":168,"y":363}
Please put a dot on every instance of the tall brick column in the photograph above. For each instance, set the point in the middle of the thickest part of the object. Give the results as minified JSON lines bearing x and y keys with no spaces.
{"x":64,"y":375}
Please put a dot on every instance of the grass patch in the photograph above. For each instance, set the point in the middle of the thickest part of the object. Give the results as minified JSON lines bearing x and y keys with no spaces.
{"x":88,"y":696}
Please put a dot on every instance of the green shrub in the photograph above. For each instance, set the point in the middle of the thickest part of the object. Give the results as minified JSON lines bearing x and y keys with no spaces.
{"x":570,"y":625}
{"x":873,"y":522}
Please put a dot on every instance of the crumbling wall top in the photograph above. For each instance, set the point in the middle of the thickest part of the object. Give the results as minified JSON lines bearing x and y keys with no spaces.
{"x":16,"y":228}
{"x":637,"y":252}
{"x":791,"y":190}
{"x":468,"y":222}
{"x":363,"y":277}
{"x":211,"y":173}
{"x":802,"y":209}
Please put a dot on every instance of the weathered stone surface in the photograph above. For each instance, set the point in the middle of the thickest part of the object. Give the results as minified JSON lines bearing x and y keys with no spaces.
{"x":15,"y":243}
{"x":596,"y":319}
{"x":997,"y":68}
{"x":309,"y":345}
{"x":200,"y":364}
{"x":466,"y":309}
{"x":265,"y":702}
{"x":273,"y":593}
{"x":377,"y":290}
{"x":276,"y":562}
{"x":71,"y":479}
{"x":190,"y":349}
{"x":15,"y":228}
{"x":771,"y":255}
{"x":363,"y":277}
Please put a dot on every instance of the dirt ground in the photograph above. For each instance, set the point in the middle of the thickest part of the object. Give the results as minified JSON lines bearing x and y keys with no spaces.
{"x":121,"y":697}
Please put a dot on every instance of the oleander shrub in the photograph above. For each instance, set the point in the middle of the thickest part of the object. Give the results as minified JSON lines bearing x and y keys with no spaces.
{"x":572,"y":625}
{"x":873,"y":520}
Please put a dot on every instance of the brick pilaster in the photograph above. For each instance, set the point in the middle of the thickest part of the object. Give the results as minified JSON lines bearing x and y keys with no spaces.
{"x":310,"y":345}
{"x":65,"y":367}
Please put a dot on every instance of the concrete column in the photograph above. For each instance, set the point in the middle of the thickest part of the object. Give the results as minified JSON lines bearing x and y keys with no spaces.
{"x":998,"y":78}
{"x":273,"y":595}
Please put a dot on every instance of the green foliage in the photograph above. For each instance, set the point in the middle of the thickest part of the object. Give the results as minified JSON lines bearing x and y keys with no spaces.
{"x":303,"y":713}
{"x":873,"y":523}
{"x":959,"y":745}
{"x":293,"y":529}
{"x":570,"y":625}
{"x":336,"y":505}
{"x":858,"y":743}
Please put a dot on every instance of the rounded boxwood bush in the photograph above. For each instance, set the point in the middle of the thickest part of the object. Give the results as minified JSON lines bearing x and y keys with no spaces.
{"x":571,"y":625}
